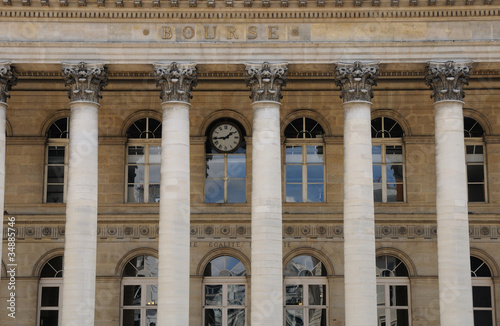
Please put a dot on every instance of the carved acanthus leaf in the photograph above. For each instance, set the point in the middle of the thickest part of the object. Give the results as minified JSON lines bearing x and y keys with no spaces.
{"x":176,"y":80}
{"x":266,"y":80}
{"x":7,"y":80}
{"x":356,"y":80}
{"x":85,"y":81}
{"x":447,"y":80}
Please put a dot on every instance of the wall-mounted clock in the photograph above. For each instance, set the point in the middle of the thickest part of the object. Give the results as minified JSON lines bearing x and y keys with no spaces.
{"x":225,"y":137}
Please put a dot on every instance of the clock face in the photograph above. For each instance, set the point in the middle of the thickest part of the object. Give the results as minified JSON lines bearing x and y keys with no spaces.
{"x":225,"y":137}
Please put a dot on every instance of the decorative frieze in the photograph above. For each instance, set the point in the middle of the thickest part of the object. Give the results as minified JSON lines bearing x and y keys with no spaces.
{"x":176,"y":80}
{"x":266,"y":80}
{"x":447,"y":79}
{"x":85,"y":81}
{"x":356,"y":80}
{"x":7,"y":80}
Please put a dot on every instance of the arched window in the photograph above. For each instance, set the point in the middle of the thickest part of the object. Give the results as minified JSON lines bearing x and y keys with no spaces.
{"x":224,"y":294}
{"x":476,"y":168}
{"x":139,"y":292}
{"x":388,"y":161}
{"x":225,"y":162}
{"x":143,"y":161}
{"x":56,"y":162}
{"x":50,"y":293}
{"x":304,"y":161}
{"x":393,"y":292}
{"x":305,"y":292}
{"x":482,"y":293}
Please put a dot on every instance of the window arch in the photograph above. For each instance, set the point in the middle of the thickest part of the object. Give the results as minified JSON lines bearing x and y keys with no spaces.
{"x":305,"y":292}
{"x":225,"y":155}
{"x":224,"y":292}
{"x":139,"y":291}
{"x":50,"y":292}
{"x":393,"y":291}
{"x":388,"y":160}
{"x":475,"y":160}
{"x":143,"y":161}
{"x":56,"y":161}
{"x":304,"y":161}
{"x":482,"y":292}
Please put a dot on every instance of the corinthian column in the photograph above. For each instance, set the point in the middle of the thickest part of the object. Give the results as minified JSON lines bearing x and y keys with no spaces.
{"x":85,"y":82}
{"x":266,"y":81}
{"x":356,"y":81}
{"x":455,"y":290}
{"x":7,"y":80}
{"x":176,"y":81}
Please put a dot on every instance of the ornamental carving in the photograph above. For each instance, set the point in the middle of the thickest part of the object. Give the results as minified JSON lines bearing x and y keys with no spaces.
{"x":85,"y":80}
{"x":176,"y":80}
{"x":356,"y":80}
{"x":266,"y":80}
{"x":7,"y":80}
{"x":447,"y":79}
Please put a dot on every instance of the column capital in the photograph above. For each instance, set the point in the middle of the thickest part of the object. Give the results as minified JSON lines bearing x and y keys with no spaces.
{"x":85,"y":80}
{"x":266,"y":80}
{"x":176,"y":80}
{"x":447,"y":79}
{"x":356,"y":80}
{"x":7,"y":80}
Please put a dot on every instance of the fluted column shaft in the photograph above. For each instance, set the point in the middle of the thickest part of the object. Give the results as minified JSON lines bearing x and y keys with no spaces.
{"x":355,"y":81}
{"x":266,"y":81}
{"x":80,"y":245}
{"x":176,"y":81}
{"x":455,"y":289}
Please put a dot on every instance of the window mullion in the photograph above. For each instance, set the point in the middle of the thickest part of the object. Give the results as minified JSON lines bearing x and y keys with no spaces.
{"x":146,"y":172}
{"x":304,"y":172}
{"x":226,"y":177}
{"x":384,"y":173}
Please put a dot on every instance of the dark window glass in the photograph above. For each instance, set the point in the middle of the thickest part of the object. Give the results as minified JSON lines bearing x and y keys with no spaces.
{"x":481,"y":296}
{"x":49,"y":318}
{"x":59,"y":129}
{"x":50,"y":296}
{"x":304,"y":128}
{"x":479,"y":268}
{"x":472,"y":128}
{"x":53,"y":268}
{"x":386,"y":128}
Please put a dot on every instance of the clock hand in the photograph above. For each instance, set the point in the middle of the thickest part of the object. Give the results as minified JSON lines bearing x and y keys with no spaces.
{"x":229,"y":134}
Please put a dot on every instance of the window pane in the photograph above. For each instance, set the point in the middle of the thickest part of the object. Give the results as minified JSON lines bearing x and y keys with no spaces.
{"x":315,"y":193}
{"x":377,"y":154}
{"x":151,"y":295}
{"x":154,"y":174}
{"x":135,"y":193}
{"x":402,"y":317}
{"x":377,"y":173}
{"x":55,"y":174}
{"x":236,"y":294}
{"x":398,"y":295}
{"x":293,"y":193}
{"x":294,"y":173}
{"x":384,"y":317}
{"x":150,"y":317}
{"x":294,"y":154}
{"x":315,"y":173}
{"x":476,"y":152}
{"x":136,"y":174}
{"x":395,"y":192}
{"x":317,"y":317}
{"x":236,"y":166}
{"x":56,"y":155}
{"x":55,"y":193}
{"x":214,"y":191}
{"x":213,"y":295}
{"x":294,"y":295}
{"x":154,"y":193}
{"x":394,"y":173}
{"x":377,"y":192}
{"x":483,"y":318}
{"x":481,"y":296}
{"x":314,"y":154}
{"x":380,"y":296}
{"x":49,"y":318}
{"x":131,"y":317}
{"x":132,"y":295}
{"x":235,"y":317}
{"x":294,"y":317}
{"x":136,"y":154}
{"x":476,"y":193}
{"x":154,"y":154}
{"x":213,"y":317}
{"x":215,"y":166}
{"x":317,"y":295}
{"x":50,"y":296}
{"x":236,"y":192}
{"x":394,"y":154}
{"x":475,"y":173}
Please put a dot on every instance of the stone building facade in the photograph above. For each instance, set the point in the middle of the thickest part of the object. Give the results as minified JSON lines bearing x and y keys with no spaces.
{"x":316,"y":163}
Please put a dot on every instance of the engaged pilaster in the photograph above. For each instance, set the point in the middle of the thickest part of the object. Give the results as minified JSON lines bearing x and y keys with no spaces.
{"x":447,"y":79}
{"x":85,"y":82}
{"x":266,"y":81}
{"x":355,"y":81}
{"x":7,"y":80}
{"x":176,"y":81}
